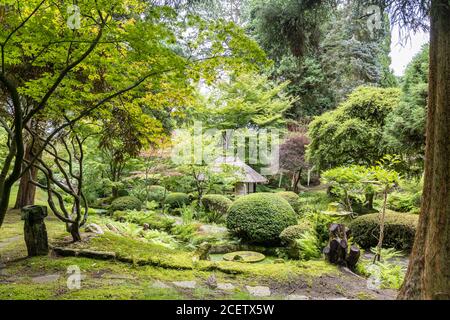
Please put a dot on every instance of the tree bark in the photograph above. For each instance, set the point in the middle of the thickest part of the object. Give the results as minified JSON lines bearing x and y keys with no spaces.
{"x":428,"y":275}
{"x":27,"y":190}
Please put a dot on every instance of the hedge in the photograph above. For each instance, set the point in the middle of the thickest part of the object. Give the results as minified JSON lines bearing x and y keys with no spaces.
{"x":399,"y":230}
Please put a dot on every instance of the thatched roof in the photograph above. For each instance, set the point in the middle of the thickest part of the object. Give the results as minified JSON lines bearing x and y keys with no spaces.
{"x":244,"y":172}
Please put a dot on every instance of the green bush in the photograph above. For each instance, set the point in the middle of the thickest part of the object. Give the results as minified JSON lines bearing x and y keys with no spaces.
{"x":125,"y":203}
{"x":176,"y":200}
{"x":123,"y":192}
{"x":404,"y":202}
{"x":216,"y":203}
{"x":399,"y":230}
{"x":292,"y":198}
{"x":260,"y":217}
{"x":154,"y":221}
{"x":289,"y":235}
{"x":156,"y":193}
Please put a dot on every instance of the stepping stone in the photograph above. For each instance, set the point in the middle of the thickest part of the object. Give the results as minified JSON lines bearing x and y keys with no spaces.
{"x":225,"y":286}
{"x":258,"y":291}
{"x":296,"y":297}
{"x":46,"y":279}
{"x":185,"y":284}
{"x":160,"y":285}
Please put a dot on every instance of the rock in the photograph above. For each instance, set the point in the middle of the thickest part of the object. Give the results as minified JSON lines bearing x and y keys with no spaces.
{"x":185,"y":284}
{"x":46,"y":279}
{"x":202,"y":252}
{"x":258,"y":291}
{"x":225,"y":286}
{"x":112,"y":228}
{"x":160,"y":285}
{"x":211,"y":229}
{"x":296,"y":297}
{"x":35,"y":232}
{"x":211,"y":281}
{"x":94,"y":228}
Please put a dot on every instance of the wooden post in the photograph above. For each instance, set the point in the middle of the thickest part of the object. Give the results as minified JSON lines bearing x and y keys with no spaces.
{"x":34,"y":230}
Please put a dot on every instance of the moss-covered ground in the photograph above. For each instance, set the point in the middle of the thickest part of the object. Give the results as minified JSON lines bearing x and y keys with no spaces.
{"x":150,"y":264}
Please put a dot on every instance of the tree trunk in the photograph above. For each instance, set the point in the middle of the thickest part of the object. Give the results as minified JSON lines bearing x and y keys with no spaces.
{"x":428,"y":275}
{"x":74,"y":230}
{"x":27,"y":190}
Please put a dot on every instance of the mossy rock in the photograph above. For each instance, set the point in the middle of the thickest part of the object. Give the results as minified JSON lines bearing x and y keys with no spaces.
{"x":244,"y":256}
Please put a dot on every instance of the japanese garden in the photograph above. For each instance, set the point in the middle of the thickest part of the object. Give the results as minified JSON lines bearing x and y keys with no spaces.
{"x":224,"y":149}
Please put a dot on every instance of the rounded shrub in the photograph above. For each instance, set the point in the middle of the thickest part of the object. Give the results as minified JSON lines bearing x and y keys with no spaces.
{"x":292,"y":233}
{"x":216,"y":203}
{"x":123,"y":192}
{"x":156,"y":193}
{"x":177,"y":200}
{"x":125,"y":203}
{"x":399,"y":230}
{"x":260,"y":217}
{"x":292,"y":198}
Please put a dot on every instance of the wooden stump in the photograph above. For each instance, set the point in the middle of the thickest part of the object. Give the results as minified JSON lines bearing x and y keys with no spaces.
{"x":337,"y":251}
{"x":35,"y":231}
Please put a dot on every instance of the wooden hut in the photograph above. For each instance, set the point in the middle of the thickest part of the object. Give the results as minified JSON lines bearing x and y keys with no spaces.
{"x":247,"y":177}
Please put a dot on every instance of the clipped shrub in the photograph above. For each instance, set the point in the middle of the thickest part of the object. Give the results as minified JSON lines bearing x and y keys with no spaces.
{"x":404,"y":202}
{"x":153,"y":220}
{"x":177,"y":200}
{"x":399,"y":230}
{"x":289,"y":235}
{"x":125,"y":203}
{"x":292,"y":198}
{"x":123,"y":192}
{"x":156,"y":193}
{"x":216,"y":203}
{"x":260,"y":217}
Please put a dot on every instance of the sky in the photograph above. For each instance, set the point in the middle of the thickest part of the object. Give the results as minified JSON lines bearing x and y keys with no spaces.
{"x":403,"y":51}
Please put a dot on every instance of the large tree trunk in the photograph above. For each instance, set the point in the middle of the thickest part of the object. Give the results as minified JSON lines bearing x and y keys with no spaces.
{"x":27,"y":190}
{"x":428,"y":275}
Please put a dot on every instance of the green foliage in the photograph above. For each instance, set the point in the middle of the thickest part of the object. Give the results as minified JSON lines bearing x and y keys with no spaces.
{"x":399,"y":230}
{"x":125,"y":203}
{"x":247,"y":100}
{"x":404,"y":202}
{"x":310,"y":202}
{"x":292,"y":198}
{"x":289,"y":235}
{"x":217,"y":205}
{"x":347,"y":183}
{"x":351,"y":134}
{"x":156,"y":193}
{"x":309,"y":245}
{"x":154,"y":220}
{"x":260,"y":217}
{"x":176,"y":200}
{"x":388,"y":272}
{"x":321,"y":224}
{"x":404,"y":131}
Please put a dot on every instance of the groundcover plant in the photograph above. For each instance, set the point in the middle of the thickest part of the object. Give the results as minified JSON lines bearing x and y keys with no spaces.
{"x":224,"y":149}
